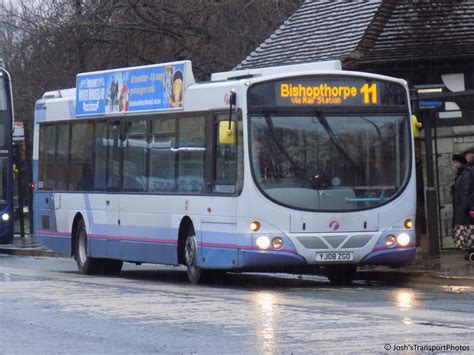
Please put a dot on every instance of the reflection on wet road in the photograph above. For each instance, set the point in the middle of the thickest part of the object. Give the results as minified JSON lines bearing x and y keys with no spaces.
{"x":46,"y":306}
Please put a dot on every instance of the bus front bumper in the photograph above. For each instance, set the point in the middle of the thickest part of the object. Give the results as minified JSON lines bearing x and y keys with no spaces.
{"x":390,"y":257}
{"x":254,"y":259}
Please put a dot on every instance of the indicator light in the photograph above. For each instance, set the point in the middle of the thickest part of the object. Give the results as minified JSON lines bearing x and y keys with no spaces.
{"x":254,"y":226}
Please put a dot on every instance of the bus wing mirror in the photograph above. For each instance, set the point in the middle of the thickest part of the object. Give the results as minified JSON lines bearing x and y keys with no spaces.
{"x":416,"y":126}
{"x":227,"y":132}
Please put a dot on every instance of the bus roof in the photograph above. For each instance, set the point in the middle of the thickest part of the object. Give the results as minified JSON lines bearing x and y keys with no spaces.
{"x":166,"y":87}
{"x":250,"y":73}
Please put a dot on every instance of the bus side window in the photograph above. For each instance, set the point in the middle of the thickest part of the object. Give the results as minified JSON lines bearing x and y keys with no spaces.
{"x":62,"y":157}
{"x":228,"y":161}
{"x":162,"y":158}
{"x":191,"y":153}
{"x":100,"y":162}
{"x":135,"y":149}
{"x":80,"y":169}
{"x":47,"y":158}
{"x":114,"y":145}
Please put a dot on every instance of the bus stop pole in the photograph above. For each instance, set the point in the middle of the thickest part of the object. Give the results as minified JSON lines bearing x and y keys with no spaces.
{"x":430,"y":191}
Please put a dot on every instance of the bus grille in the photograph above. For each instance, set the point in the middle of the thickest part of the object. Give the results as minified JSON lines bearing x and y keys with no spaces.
{"x":335,"y":241}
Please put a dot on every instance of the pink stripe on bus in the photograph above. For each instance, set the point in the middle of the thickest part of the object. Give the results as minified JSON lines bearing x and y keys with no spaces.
{"x":393,"y":248}
{"x":134,"y":239}
{"x":53,"y":233}
{"x":138,"y":239}
{"x":221,"y":245}
{"x":245,"y":247}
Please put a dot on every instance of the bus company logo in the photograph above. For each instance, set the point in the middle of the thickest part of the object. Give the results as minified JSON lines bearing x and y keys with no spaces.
{"x":334,"y":225}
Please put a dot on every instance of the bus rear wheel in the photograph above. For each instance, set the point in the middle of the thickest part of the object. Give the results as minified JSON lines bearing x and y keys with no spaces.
{"x":88,"y":265}
{"x":341,"y":275}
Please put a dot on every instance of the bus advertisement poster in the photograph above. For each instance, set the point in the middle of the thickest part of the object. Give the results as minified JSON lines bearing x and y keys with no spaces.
{"x":158,"y":87}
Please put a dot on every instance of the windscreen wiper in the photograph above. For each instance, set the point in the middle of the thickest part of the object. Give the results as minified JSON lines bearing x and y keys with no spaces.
{"x":332,"y":136}
{"x":377,"y":129}
{"x":271,"y":129}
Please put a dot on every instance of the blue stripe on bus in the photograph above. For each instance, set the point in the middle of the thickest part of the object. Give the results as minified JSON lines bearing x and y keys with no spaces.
{"x":164,"y":251}
{"x":390,"y":257}
{"x":134,"y":251}
{"x":255,"y":258}
{"x":58,"y":243}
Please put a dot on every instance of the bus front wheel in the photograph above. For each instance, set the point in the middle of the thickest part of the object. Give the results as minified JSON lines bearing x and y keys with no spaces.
{"x":195,"y":273}
{"x":85,"y":263}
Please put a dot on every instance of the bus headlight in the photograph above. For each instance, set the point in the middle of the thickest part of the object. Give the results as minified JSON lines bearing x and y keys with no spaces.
{"x":403,"y":239}
{"x":277,"y":243}
{"x":390,"y":240}
{"x":263,"y":242}
{"x":5,"y":217}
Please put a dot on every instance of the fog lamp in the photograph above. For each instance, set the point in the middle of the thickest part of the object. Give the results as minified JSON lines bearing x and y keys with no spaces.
{"x":403,"y":239}
{"x":390,"y":240}
{"x":277,"y":243}
{"x":263,"y":242}
{"x":408,"y":224}
{"x":254,"y":226}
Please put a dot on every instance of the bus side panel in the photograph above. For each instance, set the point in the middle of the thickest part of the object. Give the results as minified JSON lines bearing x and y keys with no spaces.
{"x":220,"y":244}
{"x":45,"y":223}
{"x":134,"y":245}
{"x":147,"y":229}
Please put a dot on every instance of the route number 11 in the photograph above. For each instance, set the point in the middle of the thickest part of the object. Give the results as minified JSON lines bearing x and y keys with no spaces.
{"x":370,"y":93}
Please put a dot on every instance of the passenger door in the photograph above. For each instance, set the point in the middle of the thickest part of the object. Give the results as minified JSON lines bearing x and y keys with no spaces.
{"x":113,"y":183}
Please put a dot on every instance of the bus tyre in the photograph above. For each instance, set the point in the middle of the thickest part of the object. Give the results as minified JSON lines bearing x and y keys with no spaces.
{"x":195,"y":273}
{"x":341,"y":274}
{"x":85,"y":264}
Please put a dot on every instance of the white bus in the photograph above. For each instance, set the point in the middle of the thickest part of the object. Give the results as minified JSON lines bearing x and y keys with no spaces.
{"x":303,"y":168}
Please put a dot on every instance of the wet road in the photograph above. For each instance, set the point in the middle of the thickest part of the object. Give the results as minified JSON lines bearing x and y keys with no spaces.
{"x":47,"y":307}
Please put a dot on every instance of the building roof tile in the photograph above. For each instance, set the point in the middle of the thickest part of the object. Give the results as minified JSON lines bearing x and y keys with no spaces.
{"x":373,"y":31}
{"x":319,"y":30}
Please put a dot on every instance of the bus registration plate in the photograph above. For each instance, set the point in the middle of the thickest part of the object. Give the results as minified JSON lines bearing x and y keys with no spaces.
{"x":335,"y":256}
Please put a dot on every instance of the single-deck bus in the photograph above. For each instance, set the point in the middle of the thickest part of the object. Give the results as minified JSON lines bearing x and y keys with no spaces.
{"x":6,"y":158}
{"x":295,"y":168}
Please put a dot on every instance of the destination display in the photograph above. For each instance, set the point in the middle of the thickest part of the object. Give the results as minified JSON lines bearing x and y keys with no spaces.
{"x":157,"y":87}
{"x":327,"y":91}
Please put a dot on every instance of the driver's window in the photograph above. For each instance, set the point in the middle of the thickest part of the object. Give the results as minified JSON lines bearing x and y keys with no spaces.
{"x":228,"y":159}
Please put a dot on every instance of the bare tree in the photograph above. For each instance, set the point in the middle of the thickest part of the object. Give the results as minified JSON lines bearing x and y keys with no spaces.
{"x":44,"y":44}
